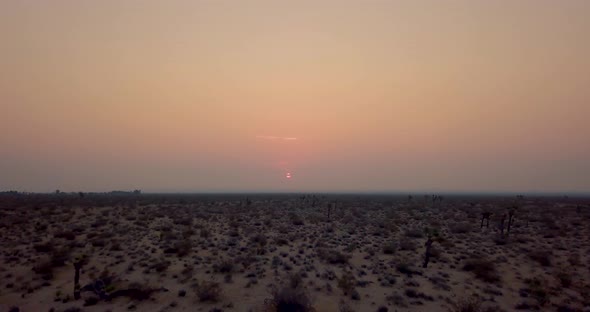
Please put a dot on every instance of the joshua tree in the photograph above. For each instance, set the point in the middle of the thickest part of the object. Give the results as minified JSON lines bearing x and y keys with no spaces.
{"x":437,"y":197}
{"x":79,"y":261}
{"x":502,"y":221}
{"x":432,"y":237}
{"x":485,"y":216}
{"x":511,"y":212}
{"x":331,"y":206}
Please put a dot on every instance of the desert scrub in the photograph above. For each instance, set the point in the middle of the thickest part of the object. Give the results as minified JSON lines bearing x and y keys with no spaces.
{"x":564,"y":277}
{"x":208,"y":291}
{"x":406,"y":244}
{"x":333,"y":256}
{"x":414,"y":233}
{"x":44,"y":268}
{"x":389,"y":248}
{"x":347,"y":283}
{"x":460,"y":227}
{"x":259,"y":239}
{"x":43,"y":247}
{"x":543,"y":257}
{"x":224,"y":266}
{"x":483,"y":269}
{"x":204,"y":233}
{"x":289,"y":297}
{"x":471,"y":304}
{"x":297,"y":220}
{"x":537,"y":288}
{"x":161,"y":265}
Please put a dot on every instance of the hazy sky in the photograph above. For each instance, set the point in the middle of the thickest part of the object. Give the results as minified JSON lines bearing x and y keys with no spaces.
{"x":339,"y":95}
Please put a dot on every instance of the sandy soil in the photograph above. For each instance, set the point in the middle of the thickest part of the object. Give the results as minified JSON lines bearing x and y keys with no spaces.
{"x":275,"y":252}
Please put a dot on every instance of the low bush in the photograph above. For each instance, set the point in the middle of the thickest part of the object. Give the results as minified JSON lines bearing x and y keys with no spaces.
{"x":208,"y":291}
{"x":483,"y":269}
{"x":347,"y":283}
{"x":414,"y":233}
{"x":543,"y":257}
{"x":472,"y":304}
{"x":224,"y":266}
{"x":460,"y":227}
{"x":333,"y":256}
{"x":389,"y":248}
{"x":289,"y":298}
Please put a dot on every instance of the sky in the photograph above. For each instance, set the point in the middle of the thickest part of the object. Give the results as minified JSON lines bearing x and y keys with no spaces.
{"x":295,"y":96}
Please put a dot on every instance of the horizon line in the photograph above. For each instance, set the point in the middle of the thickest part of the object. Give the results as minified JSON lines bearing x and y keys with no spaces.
{"x":334,"y":192}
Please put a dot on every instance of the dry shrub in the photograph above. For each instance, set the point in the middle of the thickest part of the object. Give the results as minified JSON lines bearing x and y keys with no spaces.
{"x":460,"y":227}
{"x":43,"y":247}
{"x":543,"y":257}
{"x":135,"y":291}
{"x":414,"y":233}
{"x":208,"y":291}
{"x":574,"y":259}
{"x":297,"y":220}
{"x":281,"y":241}
{"x":60,"y":256}
{"x":45,"y":269}
{"x":483,"y":269}
{"x":389,"y":248}
{"x":538,"y":290}
{"x":224,"y":266}
{"x":259,"y":239}
{"x":289,"y":298}
{"x":333,"y":256}
{"x":564,"y":277}
{"x":161,"y":265}
{"x":183,"y":247}
{"x":347,"y":283}
{"x":69,"y":235}
{"x":205,"y":233}
{"x":472,"y":304}
{"x":406,"y":244}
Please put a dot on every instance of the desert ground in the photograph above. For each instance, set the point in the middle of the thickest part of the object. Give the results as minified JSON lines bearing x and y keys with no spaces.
{"x":293,"y":252}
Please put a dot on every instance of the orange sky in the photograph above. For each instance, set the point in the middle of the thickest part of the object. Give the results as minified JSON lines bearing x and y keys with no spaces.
{"x":373,"y":95}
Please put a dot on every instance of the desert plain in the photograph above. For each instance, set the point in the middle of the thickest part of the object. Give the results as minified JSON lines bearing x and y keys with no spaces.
{"x":293,"y":252}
